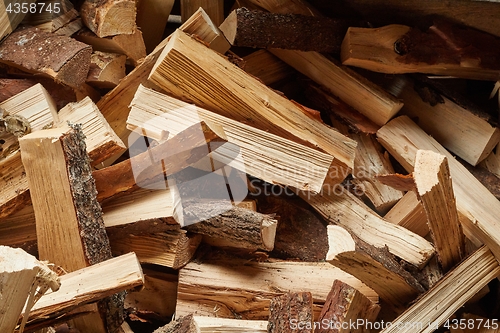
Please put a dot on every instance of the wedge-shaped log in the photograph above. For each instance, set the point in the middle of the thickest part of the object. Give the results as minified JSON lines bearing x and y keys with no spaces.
{"x":449,"y":294}
{"x":476,"y":205}
{"x":434,"y":188}
{"x":345,"y":305}
{"x":410,"y":214}
{"x":268,"y":157}
{"x":59,"y":57}
{"x":289,"y":310}
{"x":109,"y":17}
{"x":349,"y":212}
{"x":258,"y":29}
{"x":401,"y":49}
{"x":233,"y":287}
{"x":245,"y":98}
{"x":373,"y":266}
{"x":152,"y":18}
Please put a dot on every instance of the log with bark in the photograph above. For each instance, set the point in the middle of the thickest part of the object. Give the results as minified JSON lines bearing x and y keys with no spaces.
{"x":106,"y":69}
{"x":289,"y":310}
{"x":109,"y":17}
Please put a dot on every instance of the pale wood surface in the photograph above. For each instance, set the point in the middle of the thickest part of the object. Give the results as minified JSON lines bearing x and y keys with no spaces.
{"x":106,"y":69}
{"x":225,"y":325}
{"x":409,"y":213}
{"x":109,"y":17}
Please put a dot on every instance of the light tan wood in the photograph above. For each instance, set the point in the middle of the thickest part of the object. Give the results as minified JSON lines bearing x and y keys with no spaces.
{"x":106,"y":69}
{"x":409,"y":213}
{"x":19,"y":228}
{"x":373,"y":266}
{"x":461,"y":131}
{"x":182,"y":324}
{"x":349,"y":212}
{"x":265,"y":66}
{"x":345,"y":305}
{"x":373,"y":49}
{"x":289,"y":308}
{"x":213,"y":8}
{"x":100,"y":139}
{"x":252,"y":151}
{"x":152,"y":18}
{"x":492,"y":161}
{"x":50,"y":21}
{"x":449,"y":294}
{"x":9,"y":20}
{"x":476,"y":205}
{"x":434,"y":188}
{"x":214,"y":288}
{"x":131,"y":45}
{"x":210,"y":324}
{"x":110,"y":17}
{"x":246,"y":99}
{"x":24,"y":281}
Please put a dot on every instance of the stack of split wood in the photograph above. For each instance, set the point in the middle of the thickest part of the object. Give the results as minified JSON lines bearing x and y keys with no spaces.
{"x":249,"y":166}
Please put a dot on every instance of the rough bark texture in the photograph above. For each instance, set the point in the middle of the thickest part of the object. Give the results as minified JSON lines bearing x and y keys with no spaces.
{"x":291,"y":308}
{"x":184,"y":324}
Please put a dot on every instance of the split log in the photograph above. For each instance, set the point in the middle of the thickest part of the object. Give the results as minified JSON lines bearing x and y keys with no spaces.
{"x":374,"y":266}
{"x":246,"y":99}
{"x":434,"y":188}
{"x":183,"y":324}
{"x":266,"y":67}
{"x":345,"y":305}
{"x":448,"y":295}
{"x":18,"y":229}
{"x":65,"y":181}
{"x":287,"y":7}
{"x":410,"y":214}
{"x":289,"y":310}
{"x":349,"y":212}
{"x":65,"y":22}
{"x":10,"y":19}
{"x":192,"y":144}
{"x":152,"y":18}
{"x":398,"y":181}
{"x":443,"y":50}
{"x":106,"y":69}
{"x":268,"y":157}
{"x":231,"y":288}
{"x":259,"y":29}
{"x":131,"y":45}
{"x":100,"y":139}
{"x":235,"y":228}
{"x":213,"y":8}
{"x":24,"y":281}
{"x":476,"y":205}
{"x":209,"y":324}
{"x":109,"y":17}
{"x":456,"y":127}
{"x":59,"y":57}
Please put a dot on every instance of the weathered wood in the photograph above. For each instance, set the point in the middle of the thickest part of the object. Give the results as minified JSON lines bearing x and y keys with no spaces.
{"x":345,"y":305}
{"x":106,"y":69}
{"x":152,"y":18}
{"x":230,"y":288}
{"x":409,"y":213}
{"x":213,"y":8}
{"x":24,"y":281}
{"x":258,"y":29}
{"x":246,"y":99}
{"x":449,"y":294}
{"x":349,"y":212}
{"x":263,"y":155}
{"x":289,"y":309}
{"x":266,"y":67}
{"x":435,"y":191}
{"x":109,"y":17}
{"x":374,"y":266}
{"x":476,"y":205}
{"x":62,"y":58}
{"x":444,"y":50}
{"x":9,"y":20}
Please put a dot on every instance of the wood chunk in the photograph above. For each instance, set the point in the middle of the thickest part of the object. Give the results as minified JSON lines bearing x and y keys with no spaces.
{"x":100,"y":139}
{"x":409,"y":213}
{"x":398,"y":181}
{"x":267,"y":157}
{"x":246,"y":99}
{"x":235,"y":228}
{"x":349,"y":212}
{"x":449,"y":294}
{"x":24,"y":280}
{"x":62,"y":58}
{"x":476,"y":205}
{"x":106,"y":69}
{"x":213,"y":8}
{"x":485,"y":177}
{"x":258,"y":29}
{"x":287,"y":7}
{"x":183,"y":324}
{"x":152,"y":18}
{"x":434,"y":187}
{"x":131,"y":45}
{"x":265,"y":66}
{"x":210,"y":324}
{"x":457,"y":128}
{"x":397,"y":49}
{"x":68,"y":216}
{"x":60,"y":23}
{"x":374,"y":266}
{"x":18,"y":229}
{"x":345,"y":305}
{"x":9,"y":20}
{"x":231,"y":288}
{"x":289,"y":309}
{"x":90,"y":284}
{"x":109,"y":17}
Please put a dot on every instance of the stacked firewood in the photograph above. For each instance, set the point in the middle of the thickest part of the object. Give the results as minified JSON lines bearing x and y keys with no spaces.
{"x":249,"y":166}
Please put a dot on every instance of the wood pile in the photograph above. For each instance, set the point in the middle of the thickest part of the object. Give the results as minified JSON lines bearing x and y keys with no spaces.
{"x":249,"y":166}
